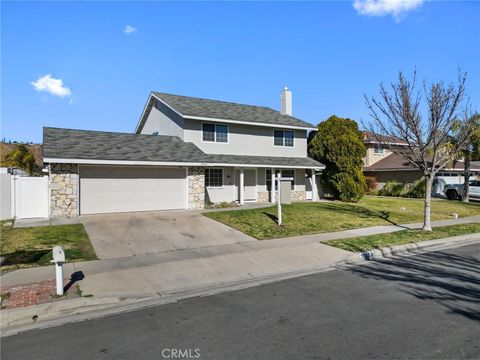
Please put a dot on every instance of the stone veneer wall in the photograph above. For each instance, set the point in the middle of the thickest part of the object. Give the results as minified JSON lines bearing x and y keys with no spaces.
{"x":263,"y":196}
{"x":196,"y":187}
{"x":299,"y":196}
{"x":63,"y":190}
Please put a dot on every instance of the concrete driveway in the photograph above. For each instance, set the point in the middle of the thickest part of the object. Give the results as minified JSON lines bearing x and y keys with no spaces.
{"x":142,"y":233}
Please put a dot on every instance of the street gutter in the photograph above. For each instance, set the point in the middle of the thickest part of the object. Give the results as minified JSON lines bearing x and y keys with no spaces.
{"x":59,"y":313}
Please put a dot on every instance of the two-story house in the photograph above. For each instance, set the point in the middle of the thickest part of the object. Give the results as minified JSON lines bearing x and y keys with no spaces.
{"x":185,"y":152}
{"x":385,"y":165}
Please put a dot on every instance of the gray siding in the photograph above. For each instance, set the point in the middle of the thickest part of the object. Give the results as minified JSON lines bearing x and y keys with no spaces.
{"x":225,"y":193}
{"x":164,"y":120}
{"x":246,"y":140}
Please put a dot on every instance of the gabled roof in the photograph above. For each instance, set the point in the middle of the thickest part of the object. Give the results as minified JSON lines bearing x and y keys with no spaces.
{"x":395,"y":162}
{"x":372,"y":138}
{"x":101,"y":147}
{"x":198,"y":108}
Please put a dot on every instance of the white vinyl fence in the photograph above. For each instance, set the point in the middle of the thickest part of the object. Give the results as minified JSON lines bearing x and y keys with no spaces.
{"x":24,"y":197}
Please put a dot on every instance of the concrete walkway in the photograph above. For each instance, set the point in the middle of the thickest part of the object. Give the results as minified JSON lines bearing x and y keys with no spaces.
{"x":184,"y":270}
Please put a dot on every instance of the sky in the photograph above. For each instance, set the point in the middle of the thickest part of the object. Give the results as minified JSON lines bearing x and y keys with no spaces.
{"x":91,"y":65}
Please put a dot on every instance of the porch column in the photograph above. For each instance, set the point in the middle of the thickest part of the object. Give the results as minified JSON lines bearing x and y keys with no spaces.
{"x":314,"y":186}
{"x":272,"y":188}
{"x":242,"y":186}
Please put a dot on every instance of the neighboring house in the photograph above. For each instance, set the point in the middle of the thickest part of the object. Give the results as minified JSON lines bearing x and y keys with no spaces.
{"x":385,"y":166}
{"x":35,"y":149}
{"x":185,"y":152}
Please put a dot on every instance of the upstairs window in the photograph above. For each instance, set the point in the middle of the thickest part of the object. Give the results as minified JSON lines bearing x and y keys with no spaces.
{"x":208,"y":132}
{"x":213,"y":178}
{"x":215,"y":133}
{"x":221,"y":133}
{"x":278,"y":138}
{"x":283,"y":138}
{"x":378,"y":149}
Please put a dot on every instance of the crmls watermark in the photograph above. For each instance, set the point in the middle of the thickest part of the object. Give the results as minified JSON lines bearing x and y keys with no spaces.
{"x":181,"y":353}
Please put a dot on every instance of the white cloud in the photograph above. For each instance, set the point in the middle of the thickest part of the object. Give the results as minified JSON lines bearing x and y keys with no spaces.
{"x":129,"y":29}
{"x":396,"y":8}
{"x":51,"y":85}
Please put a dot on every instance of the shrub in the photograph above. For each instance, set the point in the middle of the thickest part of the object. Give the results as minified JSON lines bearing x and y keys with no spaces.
{"x":339,"y":145}
{"x":221,"y":205}
{"x":371,"y":184}
{"x":393,"y":188}
{"x":417,"y":189}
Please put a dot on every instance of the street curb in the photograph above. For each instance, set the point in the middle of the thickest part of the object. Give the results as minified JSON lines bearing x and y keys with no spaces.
{"x":413,"y":248}
{"x":77,"y":310}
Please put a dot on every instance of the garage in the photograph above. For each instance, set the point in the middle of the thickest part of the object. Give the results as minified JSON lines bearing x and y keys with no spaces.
{"x":110,"y":189}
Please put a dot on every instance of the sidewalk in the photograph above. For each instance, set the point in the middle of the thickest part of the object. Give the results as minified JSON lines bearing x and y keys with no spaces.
{"x":127,"y":283}
{"x":176,"y":271}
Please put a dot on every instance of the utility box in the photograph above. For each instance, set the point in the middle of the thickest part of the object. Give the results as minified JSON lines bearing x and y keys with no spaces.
{"x":286,"y":194}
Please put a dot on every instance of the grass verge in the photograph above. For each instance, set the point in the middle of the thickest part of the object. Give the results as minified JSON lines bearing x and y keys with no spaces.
{"x":319,"y":217}
{"x":26,"y":247}
{"x":370,"y":242}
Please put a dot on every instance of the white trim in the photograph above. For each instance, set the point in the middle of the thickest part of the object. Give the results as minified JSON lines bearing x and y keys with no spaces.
{"x":241,"y":187}
{"x":214,"y":133}
{"x":283,"y":142}
{"x":248,"y":122}
{"x":384,"y":142}
{"x":215,"y":187}
{"x":166,"y":163}
{"x":146,"y":105}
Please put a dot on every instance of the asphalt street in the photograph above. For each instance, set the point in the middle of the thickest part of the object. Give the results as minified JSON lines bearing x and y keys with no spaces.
{"x":424,"y":306}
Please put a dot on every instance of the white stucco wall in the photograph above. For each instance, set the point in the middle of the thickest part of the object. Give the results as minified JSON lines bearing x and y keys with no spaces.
{"x":246,"y":140}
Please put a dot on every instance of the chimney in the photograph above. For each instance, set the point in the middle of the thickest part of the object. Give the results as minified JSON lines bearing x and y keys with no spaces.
{"x":286,"y":102}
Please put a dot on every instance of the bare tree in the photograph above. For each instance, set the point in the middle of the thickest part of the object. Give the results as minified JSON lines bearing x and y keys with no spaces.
{"x":425,"y":135}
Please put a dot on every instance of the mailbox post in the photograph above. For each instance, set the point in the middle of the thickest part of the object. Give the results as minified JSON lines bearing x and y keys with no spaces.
{"x":59,"y":259}
{"x":279,"y":197}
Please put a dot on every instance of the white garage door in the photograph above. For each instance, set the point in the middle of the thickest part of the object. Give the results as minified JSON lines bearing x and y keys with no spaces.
{"x":124,"y":189}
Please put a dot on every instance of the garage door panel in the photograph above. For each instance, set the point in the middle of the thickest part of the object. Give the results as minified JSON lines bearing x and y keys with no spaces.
{"x":124,"y":189}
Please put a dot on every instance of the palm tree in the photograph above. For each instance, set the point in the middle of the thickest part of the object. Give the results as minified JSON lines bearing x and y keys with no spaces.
{"x":21,"y":158}
{"x":471,"y":152}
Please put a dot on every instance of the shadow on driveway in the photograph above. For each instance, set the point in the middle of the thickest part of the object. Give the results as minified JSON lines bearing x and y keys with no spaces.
{"x":452,"y":281}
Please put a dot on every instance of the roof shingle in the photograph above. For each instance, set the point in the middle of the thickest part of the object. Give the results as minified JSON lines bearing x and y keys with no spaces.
{"x":100,"y":145}
{"x":191,"y":106}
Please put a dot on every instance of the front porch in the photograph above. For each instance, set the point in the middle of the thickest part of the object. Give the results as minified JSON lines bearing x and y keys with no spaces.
{"x":254,"y":184}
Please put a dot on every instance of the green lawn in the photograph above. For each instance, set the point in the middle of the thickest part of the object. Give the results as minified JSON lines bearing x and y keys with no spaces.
{"x":25,"y":247}
{"x":313,"y":218}
{"x":370,"y":242}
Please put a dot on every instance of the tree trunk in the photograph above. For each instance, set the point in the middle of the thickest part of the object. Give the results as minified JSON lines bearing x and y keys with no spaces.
{"x":428,"y":203}
{"x":466,"y":175}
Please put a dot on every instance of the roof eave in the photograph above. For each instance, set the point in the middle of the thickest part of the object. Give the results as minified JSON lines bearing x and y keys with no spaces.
{"x":169,"y":163}
{"x":231,"y":121}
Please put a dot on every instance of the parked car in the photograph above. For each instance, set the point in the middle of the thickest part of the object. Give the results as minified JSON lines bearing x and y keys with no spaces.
{"x":455,"y":191}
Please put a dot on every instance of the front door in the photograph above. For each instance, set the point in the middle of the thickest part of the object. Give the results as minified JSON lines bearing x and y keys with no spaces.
{"x":249,"y":182}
